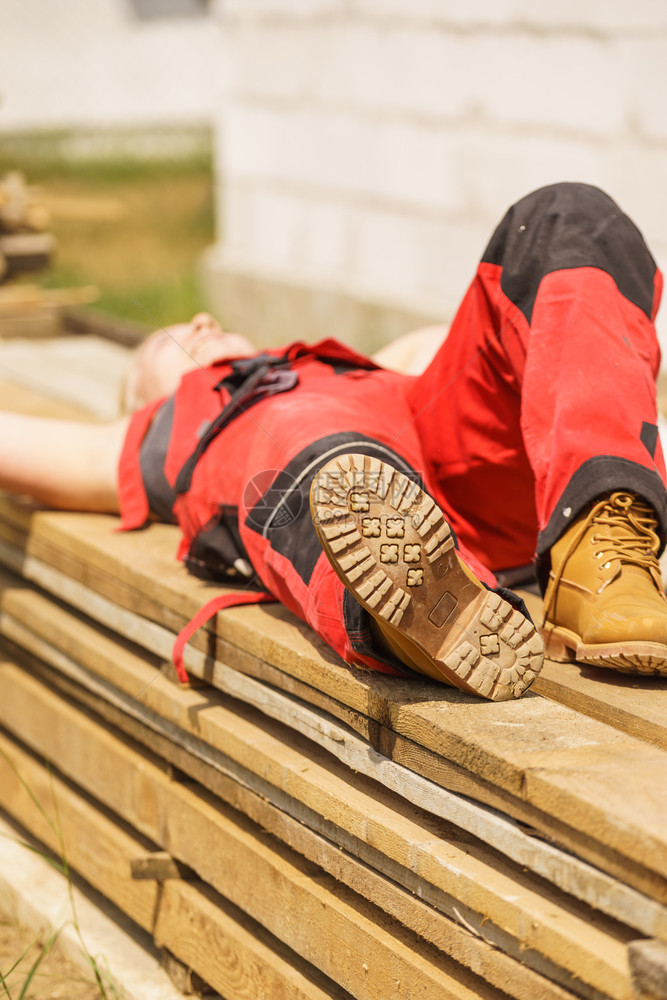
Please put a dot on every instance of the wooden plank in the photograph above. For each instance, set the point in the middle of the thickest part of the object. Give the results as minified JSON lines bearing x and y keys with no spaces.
{"x":634,"y":705}
{"x":181,"y":975}
{"x":26,"y":251}
{"x":444,"y":773}
{"x":40,"y":324}
{"x":332,"y":927}
{"x":81,"y":371}
{"x":87,"y":322}
{"x":587,"y":787}
{"x":17,"y":299}
{"x":160,"y":640}
{"x":625,"y":702}
{"x":156,"y":865}
{"x":466,"y":937}
{"x":117,"y":674}
{"x":74,"y":828}
{"x":100,"y":848}
{"x":338,"y":743}
{"x":645,"y":707}
{"x":485,"y":889}
{"x":530,"y":989}
{"x":17,"y":399}
{"x":648,"y":967}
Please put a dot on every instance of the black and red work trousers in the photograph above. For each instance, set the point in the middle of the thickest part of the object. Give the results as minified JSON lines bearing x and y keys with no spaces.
{"x":541,"y":398}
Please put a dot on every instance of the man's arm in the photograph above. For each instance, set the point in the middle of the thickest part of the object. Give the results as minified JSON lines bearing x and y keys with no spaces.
{"x":63,"y":463}
{"x":411,"y":352}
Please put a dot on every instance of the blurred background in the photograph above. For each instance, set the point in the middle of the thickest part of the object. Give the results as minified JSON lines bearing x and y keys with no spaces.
{"x":305,"y":168}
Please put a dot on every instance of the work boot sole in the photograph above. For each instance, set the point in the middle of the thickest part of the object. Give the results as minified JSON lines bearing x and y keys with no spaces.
{"x":632,"y":657}
{"x":392,"y":548}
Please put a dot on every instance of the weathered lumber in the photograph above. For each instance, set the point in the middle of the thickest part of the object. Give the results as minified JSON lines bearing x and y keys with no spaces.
{"x":76,"y":830}
{"x":648,"y":969}
{"x":466,"y":936}
{"x":231,"y":952}
{"x":22,"y":213}
{"x":471,"y":945}
{"x":19,"y":399}
{"x":30,"y":312}
{"x":41,"y":323}
{"x":97,"y":661}
{"x":87,"y":322}
{"x":22,"y":207}
{"x":634,"y":705}
{"x":234,"y":952}
{"x":492,"y":898}
{"x":586,"y":786}
{"x":83,"y":373}
{"x":333,"y":928}
{"x":182,"y":976}
{"x":156,"y":865}
{"x":21,"y":299}
{"x":26,"y":251}
{"x":79,"y":682}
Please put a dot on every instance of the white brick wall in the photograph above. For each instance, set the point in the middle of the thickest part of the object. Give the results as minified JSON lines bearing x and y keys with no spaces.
{"x":93,"y":63}
{"x":371,"y":145}
{"x":367,"y":146}
{"x":595,"y":15}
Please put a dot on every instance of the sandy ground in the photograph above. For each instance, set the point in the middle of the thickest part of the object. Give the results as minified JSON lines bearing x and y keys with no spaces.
{"x":56,"y":977}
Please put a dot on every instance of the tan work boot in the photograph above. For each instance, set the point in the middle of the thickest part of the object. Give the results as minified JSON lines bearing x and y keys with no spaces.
{"x":390,"y":545}
{"x":605,"y":603}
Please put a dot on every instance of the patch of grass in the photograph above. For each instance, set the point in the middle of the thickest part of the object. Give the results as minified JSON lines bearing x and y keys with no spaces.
{"x":42,"y":951}
{"x":135,"y":228}
{"x":38,"y":949}
{"x":102,"y":156}
{"x":155,"y":305}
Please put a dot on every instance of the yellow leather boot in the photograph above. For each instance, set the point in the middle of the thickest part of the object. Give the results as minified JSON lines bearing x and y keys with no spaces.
{"x":605,"y":604}
{"x":390,"y":544}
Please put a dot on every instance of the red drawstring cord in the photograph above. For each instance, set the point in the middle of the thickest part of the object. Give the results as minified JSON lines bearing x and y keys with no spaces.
{"x":204,"y":615}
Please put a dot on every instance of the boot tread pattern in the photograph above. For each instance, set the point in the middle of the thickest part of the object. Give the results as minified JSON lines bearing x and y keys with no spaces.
{"x":646,"y":658}
{"x":632,"y":663}
{"x":629,"y":663}
{"x":390,"y":544}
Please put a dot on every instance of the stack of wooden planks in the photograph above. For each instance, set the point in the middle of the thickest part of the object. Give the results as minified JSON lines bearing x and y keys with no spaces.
{"x":23,"y":217}
{"x":31,"y":311}
{"x":288,"y":826}
{"x":25,"y":211}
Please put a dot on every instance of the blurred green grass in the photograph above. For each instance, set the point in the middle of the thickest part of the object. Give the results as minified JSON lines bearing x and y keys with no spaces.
{"x":134,"y":227}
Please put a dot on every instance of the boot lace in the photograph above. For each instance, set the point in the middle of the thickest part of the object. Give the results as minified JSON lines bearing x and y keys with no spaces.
{"x":626,"y":530}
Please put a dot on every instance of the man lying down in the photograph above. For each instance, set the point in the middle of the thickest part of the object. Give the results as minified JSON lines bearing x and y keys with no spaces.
{"x":380,"y":506}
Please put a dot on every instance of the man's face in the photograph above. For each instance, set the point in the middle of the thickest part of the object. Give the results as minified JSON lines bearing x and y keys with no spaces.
{"x":163,"y":359}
